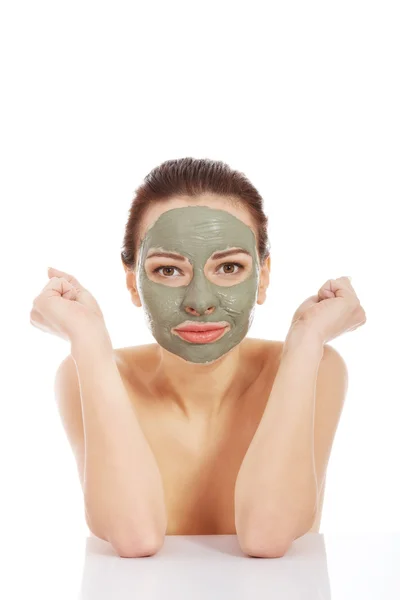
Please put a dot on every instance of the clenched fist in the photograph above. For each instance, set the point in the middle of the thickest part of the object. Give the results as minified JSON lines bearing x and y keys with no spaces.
{"x":334,"y":310}
{"x":65,"y":308}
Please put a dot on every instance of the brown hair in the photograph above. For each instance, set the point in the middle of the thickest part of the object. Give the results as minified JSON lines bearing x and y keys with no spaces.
{"x":192,"y":177}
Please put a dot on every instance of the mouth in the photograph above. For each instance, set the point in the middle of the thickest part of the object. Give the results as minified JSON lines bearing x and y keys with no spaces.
{"x":201,"y":333}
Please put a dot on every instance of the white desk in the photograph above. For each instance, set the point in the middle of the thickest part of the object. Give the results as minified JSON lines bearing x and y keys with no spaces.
{"x":317,"y":567}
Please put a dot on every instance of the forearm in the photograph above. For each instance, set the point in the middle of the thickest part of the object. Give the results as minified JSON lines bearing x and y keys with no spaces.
{"x":276,"y":488}
{"x":123,"y":489}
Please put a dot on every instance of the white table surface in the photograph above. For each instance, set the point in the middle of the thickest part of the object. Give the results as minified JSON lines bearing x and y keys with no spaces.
{"x":316,"y":567}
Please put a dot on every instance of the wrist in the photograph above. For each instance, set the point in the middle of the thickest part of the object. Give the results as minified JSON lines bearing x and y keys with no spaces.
{"x":304,"y":336}
{"x":90,"y":339}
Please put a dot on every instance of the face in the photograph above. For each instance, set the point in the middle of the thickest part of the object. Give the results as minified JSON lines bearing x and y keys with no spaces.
{"x":195,"y":284}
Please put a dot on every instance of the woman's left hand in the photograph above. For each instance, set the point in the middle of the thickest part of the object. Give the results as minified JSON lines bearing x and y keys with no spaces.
{"x":334,"y":310}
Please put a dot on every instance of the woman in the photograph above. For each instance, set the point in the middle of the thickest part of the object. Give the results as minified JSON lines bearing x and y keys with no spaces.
{"x":160,"y":432}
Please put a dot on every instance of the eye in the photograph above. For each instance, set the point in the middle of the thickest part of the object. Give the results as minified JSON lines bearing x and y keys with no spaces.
{"x":168,"y":268}
{"x":239,"y":265}
{"x":167,"y":271}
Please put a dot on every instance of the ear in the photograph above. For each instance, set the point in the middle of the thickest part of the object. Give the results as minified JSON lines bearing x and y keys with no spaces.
{"x":264,"y":280}
{"x":131,"y":285}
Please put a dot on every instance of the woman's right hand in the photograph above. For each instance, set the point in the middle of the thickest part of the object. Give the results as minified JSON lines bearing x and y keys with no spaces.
{"x":65,"y":308}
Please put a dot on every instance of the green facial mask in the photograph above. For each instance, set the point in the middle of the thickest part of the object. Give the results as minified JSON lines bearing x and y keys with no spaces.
{"x":196,"y":232}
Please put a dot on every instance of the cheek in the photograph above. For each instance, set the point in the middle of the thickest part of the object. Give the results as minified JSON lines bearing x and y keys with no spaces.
{"x":239,"y":299}
{"x":161,"y":302}
{"x":164,"y":304}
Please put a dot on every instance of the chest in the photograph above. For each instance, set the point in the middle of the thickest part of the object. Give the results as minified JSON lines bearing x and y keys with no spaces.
{"x":199,"y":467}
{"x":199,"y":463}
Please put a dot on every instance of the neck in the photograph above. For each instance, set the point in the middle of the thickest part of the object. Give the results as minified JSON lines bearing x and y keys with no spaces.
{"x":200,"y":390}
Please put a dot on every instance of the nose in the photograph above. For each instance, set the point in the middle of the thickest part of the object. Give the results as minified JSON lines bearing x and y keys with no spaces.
{"x":199,"y":299}
{"x":192,"y":311}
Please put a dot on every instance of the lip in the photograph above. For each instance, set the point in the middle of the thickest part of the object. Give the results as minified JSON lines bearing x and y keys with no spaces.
{"x":196,"y":326}
{"x":201,"y":333}
{"x":202,"y":337}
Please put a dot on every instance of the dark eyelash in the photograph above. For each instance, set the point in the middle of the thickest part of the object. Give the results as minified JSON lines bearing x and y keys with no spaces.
{"x":165,"y":267}
{"x":236,"y":264}
{"x":172,"y":267}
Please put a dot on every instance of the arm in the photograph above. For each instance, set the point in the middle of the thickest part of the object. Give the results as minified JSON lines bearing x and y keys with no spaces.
{"x":124,"y":498}
{"x":278,"y":484}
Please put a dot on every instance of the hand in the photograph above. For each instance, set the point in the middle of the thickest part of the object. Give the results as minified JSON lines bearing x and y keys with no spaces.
{"x":64,"y":307}
{"x":334,"y":310}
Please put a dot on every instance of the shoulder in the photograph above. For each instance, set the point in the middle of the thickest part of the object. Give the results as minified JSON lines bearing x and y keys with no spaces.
{"x":333,"y":377}
{"x":268,"y":352}
{"x":332,"y":371}
{"x":273,"y":349}
{"x":133,"y":361}
{"x":251,"y":346}
{"x":136,"y":360}
{"x":128,"y":352}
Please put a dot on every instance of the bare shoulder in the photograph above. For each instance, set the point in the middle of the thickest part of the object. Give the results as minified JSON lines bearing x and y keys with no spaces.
{"x":146,"y":351}
{"x":264,"y":348}
{"x":138,"y":362}
{"x":267,"y":353}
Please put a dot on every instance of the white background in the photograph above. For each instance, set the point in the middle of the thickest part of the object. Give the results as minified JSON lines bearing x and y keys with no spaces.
{"x":303,"y":97}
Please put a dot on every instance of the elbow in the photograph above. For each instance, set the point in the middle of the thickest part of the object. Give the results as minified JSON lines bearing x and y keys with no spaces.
{"x":263,"y":542}
{"x":127,"y":545}
{"x":130,"y":549}
{"x":131,"y":543}
{"x":269,"y":545}
{"x":271,"y":541}
{"x":133,"y":546}
{"x":265,"y":549}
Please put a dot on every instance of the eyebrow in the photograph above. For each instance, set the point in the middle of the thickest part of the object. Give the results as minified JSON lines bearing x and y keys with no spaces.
{"x":215,"y":256}
{"x":229,"y":252}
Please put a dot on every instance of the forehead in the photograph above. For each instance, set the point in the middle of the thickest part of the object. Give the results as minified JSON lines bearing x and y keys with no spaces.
{"x":215,"y":201}
{"x":199,"y":227}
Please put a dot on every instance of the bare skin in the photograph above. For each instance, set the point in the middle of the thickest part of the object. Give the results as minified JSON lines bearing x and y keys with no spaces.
{"x":188,"y":383}
{"x":199,"y":458}
{"x":200,"y":419}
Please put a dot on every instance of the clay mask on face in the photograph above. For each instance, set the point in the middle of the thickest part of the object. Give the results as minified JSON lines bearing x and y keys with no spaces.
{"x":197,"y":232}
